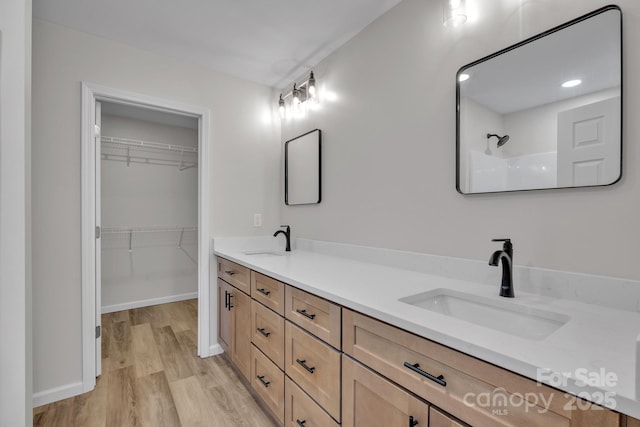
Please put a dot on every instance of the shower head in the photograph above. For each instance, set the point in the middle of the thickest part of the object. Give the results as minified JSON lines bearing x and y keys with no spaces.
{"x":501,"y":139}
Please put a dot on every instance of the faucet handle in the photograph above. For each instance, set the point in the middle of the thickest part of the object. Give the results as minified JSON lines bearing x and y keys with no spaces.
{"x":501,"y":240}
{"x":507,"y":246}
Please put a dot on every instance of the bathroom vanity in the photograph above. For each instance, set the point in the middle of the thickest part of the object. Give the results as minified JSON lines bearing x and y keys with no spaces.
{"x":327,"y":340}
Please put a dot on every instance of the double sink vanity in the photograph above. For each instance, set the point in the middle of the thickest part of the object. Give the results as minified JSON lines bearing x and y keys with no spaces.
{"x":333,"y":334}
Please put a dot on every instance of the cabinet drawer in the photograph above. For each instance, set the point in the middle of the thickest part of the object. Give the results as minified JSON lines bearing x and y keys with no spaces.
{"x":314,"y":366}
{"x":268,"y":381}
{"x":268,"y":291}
{"x":372,"y":401}
{"x":440,"y":419}
{"x":466,"y":383}
{"x":317,"y":315}
{"x":235,"y":274}
{"x":267,"y":332}
{"x":300,"y":409}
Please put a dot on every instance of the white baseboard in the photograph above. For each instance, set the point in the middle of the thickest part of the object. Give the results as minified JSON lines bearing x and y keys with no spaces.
{"x":215,"y":350}
{"x":147,"y":302}
{"x":58,"y":393}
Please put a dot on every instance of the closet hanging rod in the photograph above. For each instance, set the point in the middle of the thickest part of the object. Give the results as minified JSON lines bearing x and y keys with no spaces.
{"x":150,"y":229}
{"x":148,"y":144}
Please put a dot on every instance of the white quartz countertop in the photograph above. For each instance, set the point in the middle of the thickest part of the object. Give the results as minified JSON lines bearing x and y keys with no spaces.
{"x":597,"y":343}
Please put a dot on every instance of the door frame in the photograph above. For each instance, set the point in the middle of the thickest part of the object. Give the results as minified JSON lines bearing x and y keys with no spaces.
{"x":90,"y":94}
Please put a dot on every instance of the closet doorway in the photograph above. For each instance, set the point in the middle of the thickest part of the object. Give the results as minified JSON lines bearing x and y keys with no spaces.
{"x":145,"y":211}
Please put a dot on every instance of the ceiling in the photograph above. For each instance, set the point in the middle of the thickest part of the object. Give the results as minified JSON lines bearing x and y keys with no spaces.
{"x":532,"y":74}
{"x":271,"y":42}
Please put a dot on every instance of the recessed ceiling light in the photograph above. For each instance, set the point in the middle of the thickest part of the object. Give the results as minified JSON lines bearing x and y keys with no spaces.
{"x":571,"y":83}
{"x":462,"y":77}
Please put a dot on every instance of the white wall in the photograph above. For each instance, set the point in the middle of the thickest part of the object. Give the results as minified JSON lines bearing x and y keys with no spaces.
{"x":147,"y":195}
{"x":244,"y":168}
{"x":15,"y":283}
{"x":389,"y":147}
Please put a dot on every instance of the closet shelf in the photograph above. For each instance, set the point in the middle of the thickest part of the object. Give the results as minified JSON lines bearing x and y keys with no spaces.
{"x":148,"y":152}
{"x":123,"y":237}
{"x":148,"y":229}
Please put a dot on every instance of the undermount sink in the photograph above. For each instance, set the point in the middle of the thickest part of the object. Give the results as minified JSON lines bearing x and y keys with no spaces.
{"x":264,"y":253}
{"x":504,"y":316}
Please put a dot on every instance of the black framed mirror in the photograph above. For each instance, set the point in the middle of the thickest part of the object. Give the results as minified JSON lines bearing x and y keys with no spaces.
{"x":302,"y":184}
{"x":544,"y":113}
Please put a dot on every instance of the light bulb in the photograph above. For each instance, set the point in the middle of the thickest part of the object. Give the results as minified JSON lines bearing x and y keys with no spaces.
{"x":295,"y":101}
{"x":454,"y":13}
{"x":281,"y":107}
{"x":572,"y":83}
{"x":311,"y":86}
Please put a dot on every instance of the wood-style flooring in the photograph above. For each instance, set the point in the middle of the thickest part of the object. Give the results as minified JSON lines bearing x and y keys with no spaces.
{"x":152,"y":377}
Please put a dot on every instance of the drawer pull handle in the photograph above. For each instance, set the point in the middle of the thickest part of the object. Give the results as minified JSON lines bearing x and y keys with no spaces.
{"x":230,"y":272}
{"x":412,"y":421}
{"x":263,"y":291}
{"x":416,"y":368}
{"x":226,"y":299}
{"x":303,"y":363}
{"x":264,"y":332}
{"x":301,"y":423}
{"x":261,"y":379}
{"x":230,"y":306}
{"x":305,"y":314}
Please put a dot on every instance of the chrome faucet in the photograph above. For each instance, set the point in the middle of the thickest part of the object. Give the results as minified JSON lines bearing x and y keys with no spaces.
{"x":287,"y":234}
{"x":506,"y":255}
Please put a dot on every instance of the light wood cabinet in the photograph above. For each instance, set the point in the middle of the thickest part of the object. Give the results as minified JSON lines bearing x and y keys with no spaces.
{"x":474,"y":391}
{"x":268,"y":291}
{"x":301,"y":410}
{"x":388,"y":376}
{"x":235,"y":274}
{"x":234,"y":325}
{"x":314,"y":366}
{"x":267,"y":332}
{"x":317,"y":315}
{"x":225,"y":319}
{"x":440,"y":419}
{"x":370,"y":400}
{"x":268,"y":382}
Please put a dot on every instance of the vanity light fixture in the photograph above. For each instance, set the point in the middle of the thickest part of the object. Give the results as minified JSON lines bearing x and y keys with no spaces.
{"x":462,"y":77}
{"x":454,"y":12}
{"x":572,"y":83}
{"x":303,"y":95}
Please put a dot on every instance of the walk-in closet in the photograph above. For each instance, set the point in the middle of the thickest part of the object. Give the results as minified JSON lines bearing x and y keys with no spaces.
{"x":148,"y":207}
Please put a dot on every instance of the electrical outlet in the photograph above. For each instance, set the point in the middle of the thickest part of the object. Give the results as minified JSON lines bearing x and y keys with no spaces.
{"x":257,"y":220}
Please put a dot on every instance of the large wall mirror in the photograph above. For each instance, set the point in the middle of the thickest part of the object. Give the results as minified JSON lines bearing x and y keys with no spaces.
{"x":545,"y":113}
{"x":302,"y":169}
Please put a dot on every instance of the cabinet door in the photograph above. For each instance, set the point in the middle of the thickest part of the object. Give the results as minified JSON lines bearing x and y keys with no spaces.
{"x":267,"y":332}
{"x":440,"y":419}
{"x":314,"y":366}
{"x":267,"y":381}
{"x":225,"y":319}
{"x":268,"y":291}
{"x":235,"y":274}
{"x":370,"y":400}
{"x":241,"y":348}
{"x":300,"y":409}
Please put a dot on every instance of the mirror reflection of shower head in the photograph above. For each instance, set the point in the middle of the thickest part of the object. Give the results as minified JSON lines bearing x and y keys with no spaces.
{"x":501,"y":139}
